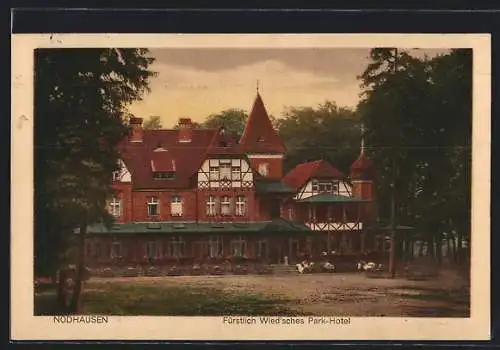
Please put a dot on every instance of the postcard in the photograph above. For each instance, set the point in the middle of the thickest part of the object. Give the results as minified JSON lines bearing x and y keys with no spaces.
{"x":250,"y":187}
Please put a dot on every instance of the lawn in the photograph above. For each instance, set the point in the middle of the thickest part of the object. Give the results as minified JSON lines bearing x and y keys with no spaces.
{"x":315,"y":294}
{"x":152,"y":300}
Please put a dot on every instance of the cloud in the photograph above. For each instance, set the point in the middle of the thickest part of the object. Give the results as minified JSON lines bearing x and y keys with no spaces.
{"x":185,"y":91}
{"x":272,"y":74}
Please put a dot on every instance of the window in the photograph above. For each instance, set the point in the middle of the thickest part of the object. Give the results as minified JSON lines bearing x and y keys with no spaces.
{"x":115,"y":207}
{"x":176,"y":206}
{"x":325,"y":187}
{"x":314,"y":184}
{"x":117,"y":175}
{"x":214,"y":173}
{"x":176,"y":247}
{"x":236,"y":173}
{"x":261,"y":250}
{"x":290,"y":213}
{"x":153,"y":207}
{"x":164,"y":175}
{"x":225,"y":207}
{"x":264,"y":169}
{"x":215,"y":246}
{"x":241,"y":205}
{"x":238,"y":247}
{"x":211,"y":209}
{"x":225,"y":169}
{"x":116,"y":249}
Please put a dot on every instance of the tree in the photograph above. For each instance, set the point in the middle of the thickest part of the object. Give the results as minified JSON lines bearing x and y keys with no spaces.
{"x":326,"y":132}
{"x":80,"y":116}
{"x":233,"y":120}
{"x":409,"y":111}
{"x":154,"y":122}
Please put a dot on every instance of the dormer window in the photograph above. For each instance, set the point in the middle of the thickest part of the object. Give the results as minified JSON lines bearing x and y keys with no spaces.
{"x":168,"y":175}
{"x":116,"y":176}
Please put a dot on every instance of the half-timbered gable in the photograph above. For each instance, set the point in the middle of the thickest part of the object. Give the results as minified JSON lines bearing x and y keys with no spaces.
{"x":225,"y":173}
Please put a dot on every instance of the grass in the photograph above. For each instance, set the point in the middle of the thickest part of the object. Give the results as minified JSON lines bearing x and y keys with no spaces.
{"x":145,"y":300}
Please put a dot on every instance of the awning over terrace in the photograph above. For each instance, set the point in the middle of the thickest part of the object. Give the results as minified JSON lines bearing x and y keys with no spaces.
{"x":277,"y":225}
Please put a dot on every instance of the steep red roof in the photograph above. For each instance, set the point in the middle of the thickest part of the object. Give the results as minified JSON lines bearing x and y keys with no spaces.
{"x":187,"y":157}
{"x":362,"y":168}
{"x":299,"y":175}
{"x":259,"y":135}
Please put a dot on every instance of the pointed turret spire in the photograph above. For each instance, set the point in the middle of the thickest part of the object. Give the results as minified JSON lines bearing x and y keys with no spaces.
{"x":361,"y":168}
{"x":259,"y":135}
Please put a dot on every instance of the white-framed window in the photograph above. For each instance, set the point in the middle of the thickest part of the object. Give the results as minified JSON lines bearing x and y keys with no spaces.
{"x":236,"y":172}
{"x":238,"y":247}
{"x":225,"y":205}
{"x":115,"y":207}
{"x":215,"y":246}
{"x":176,"y":247}
{"x":153,"y":206}
{"x":116,"y":249}
{"x":262,"y":248}
{"x":214,"y":173}
{"x":264,"y":169}
{"x":211,"y":209}
{"x":325,"y":187}
{"x":225,"y":169}
{"x":241,"y":205}
{"x":176,"y":206}
{"x":314,"y":185}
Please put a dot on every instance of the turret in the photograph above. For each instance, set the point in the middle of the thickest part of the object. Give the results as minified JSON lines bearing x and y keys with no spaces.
{"x":261,"y":143}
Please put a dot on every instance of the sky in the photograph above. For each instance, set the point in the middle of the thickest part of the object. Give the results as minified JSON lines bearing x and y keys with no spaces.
{"x":197,"y":82}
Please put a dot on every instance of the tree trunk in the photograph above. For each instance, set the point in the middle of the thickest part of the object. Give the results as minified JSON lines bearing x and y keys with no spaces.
{"x":454,"y":248}
{"x":61,"y":291}
{"x":75,"y":306}
{"x":439,"y":249}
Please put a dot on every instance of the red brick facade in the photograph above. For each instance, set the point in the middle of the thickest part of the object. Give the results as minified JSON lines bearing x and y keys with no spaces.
{"x":202,"y":176}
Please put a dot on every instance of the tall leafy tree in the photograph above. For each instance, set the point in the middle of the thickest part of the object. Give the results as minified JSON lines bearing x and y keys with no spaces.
{"x":408,"y":109}
{"x":234,"y":120}
{"x":81,"y":97}
{"x":325,"y":132}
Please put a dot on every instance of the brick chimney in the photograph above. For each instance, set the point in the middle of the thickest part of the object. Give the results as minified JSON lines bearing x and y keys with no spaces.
{"x":185,"y":130}
{"x":136,"y":134}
